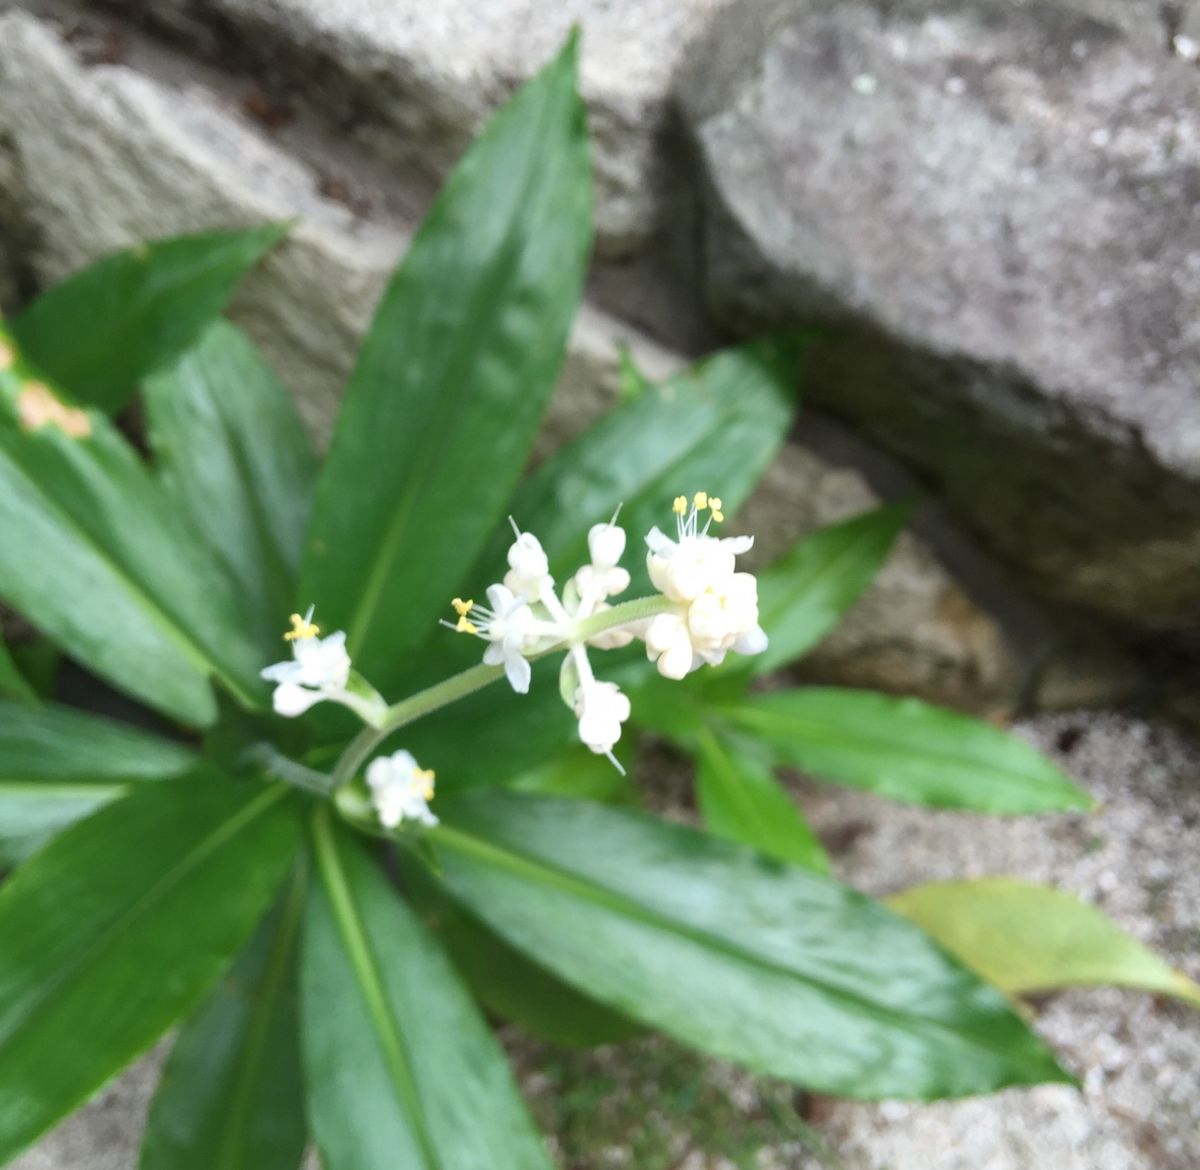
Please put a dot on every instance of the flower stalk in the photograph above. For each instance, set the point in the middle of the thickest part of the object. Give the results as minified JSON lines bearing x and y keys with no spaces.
{"x":475,"y":678}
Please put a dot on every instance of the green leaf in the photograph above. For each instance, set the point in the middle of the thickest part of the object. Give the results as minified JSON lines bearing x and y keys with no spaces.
{"x":803,"y":595}
{"x":1027,"y":938}
{"x":234,"y":458}
{"x":118,"y":927}
{"x":905,"y":750}
{"x":774,"y":966}
{"x":453,"y":377}
{"x":400,"y":1068}
{"x":58,"y":765}
{"x":93,"y":554}
{"x":104,"y":329}
{"x":741,"y":801}
{"x":231,"y":1096}
{"x":13,"y":684}
{"x":580,"y":774}
{"x":506,"y":982}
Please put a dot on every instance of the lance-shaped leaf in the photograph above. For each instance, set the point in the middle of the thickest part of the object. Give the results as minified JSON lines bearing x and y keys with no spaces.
{"x":400,"y":1068}
{"x":234,"y":458}
{"x":508,"y":983}
{"x":774,"y":966}
{"x":453,"y":377}
{"x":740,"y":800}
{"x":58,"y":765}
{"x":906,"y":750}
{"x":1025,"y":938}
{"x":118,"y":927}
{"x":803,"y":595}
{"x":93,"y":554}
{"x":231,"y":1096}
{"x":104,"y":329}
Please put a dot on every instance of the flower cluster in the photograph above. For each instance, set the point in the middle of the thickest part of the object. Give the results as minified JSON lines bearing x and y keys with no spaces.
{"x":706,"y":608}
{"x":715,"y":608}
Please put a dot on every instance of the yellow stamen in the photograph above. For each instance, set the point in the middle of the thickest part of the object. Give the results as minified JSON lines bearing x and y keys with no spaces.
{"x":466,"y":626}
{"x":462,"y":608}
{"x":714,"y":503}
{"x":428,"y":775}
{"x":680,"y":505}
{"x":301,"y":628}
{"x":700,"y":501}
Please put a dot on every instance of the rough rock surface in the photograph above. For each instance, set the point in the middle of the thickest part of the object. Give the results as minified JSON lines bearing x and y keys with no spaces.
{"x":649,"y":1106}
{"x":414,"y":81}
{"x":105,"y":155}
{"x":996,"y":205}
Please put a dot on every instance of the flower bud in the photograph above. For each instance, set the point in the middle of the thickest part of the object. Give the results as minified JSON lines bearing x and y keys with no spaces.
{"x":527,"y":558}
{"x":606,"y":544}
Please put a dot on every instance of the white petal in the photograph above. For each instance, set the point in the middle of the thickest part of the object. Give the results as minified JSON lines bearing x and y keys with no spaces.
{"x":659,"y":543}
{"x":752,"y":641}
{"x":518,"y":672}
{"x":737,"y":544}
{"x":282,"y":672}
{"x":500,"y":599}
{"x":677,"y":660}
{"x":379,"y":773}
{"x":292,"y":700}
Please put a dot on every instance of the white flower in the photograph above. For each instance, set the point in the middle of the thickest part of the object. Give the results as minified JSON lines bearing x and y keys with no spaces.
{"x":601,"y":708}
{"x":603,"y":578}
{"x":716,"y":607}
{"x":400,"y":789}
{"x":528,"y":573}
{"x":606,"y":544}
{"x":319,"y":669}
{"x":512,"y":628}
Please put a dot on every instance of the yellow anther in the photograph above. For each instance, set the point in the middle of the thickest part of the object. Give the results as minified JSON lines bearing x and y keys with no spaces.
{"x":680,"y":505}
{"x":700,"y":501}
{"x":466,"y":626}
{"x":428,"y":775}
{"x":462,"y":608}
{"x":301,"y":628}
{"x":714,"y":504}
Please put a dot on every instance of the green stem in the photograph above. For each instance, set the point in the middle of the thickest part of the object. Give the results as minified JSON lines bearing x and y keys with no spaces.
{"x":467,"y":682}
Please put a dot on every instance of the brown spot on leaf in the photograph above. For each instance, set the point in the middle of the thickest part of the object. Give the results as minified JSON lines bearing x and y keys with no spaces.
{"x":38,"y":407}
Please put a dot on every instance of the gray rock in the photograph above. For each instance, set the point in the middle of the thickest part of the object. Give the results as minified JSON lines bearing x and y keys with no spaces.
{"x":413,"y":81}
{"x":995,"y":205}
{"x":104,"y":156}
{"x":96,"y":158}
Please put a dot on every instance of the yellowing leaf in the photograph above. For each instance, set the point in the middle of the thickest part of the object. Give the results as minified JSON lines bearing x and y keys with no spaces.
{"x":1024,"y":937}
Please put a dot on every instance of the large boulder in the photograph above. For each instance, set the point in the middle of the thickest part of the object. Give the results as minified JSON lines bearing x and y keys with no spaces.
{"x":412,"y":82}
{"x":97,"y":157}
{"x":995,"y":207}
